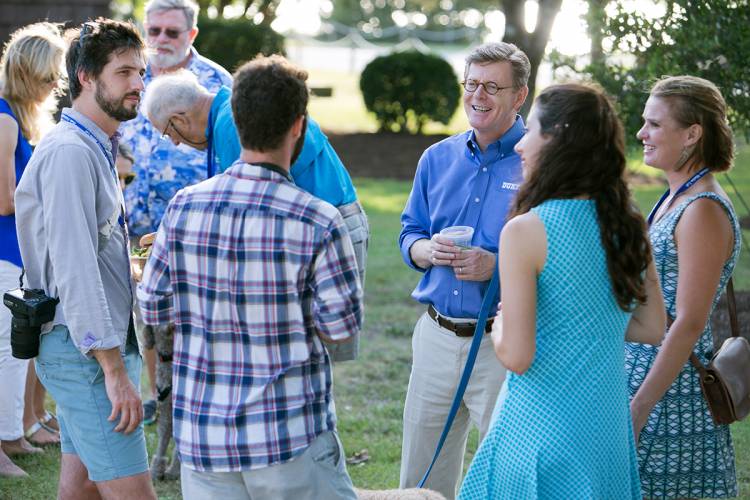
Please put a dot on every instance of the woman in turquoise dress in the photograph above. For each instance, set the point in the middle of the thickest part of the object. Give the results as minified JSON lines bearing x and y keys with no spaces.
{"x":696,"y":241}
{"x":577,"y":268}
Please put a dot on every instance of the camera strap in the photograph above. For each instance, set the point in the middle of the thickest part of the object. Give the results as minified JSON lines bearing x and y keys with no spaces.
{"x":20,"y":278}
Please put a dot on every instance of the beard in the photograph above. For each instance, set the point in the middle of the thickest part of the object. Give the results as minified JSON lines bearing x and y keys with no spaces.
{"x":300,"y":142}
{"x":115,"y":107}
{"x":163,"y":61}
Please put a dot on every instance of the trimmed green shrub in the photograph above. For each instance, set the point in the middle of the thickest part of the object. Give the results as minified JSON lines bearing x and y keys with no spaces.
{"x":231,"y":42}
{"x":405,"y":90}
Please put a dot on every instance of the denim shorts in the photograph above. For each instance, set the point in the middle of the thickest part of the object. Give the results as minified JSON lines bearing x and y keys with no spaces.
{"x":77,"y":385}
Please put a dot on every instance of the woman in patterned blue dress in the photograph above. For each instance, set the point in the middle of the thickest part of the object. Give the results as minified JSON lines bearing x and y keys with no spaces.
{"x":576,"y":265}
{"x":695,"y":239}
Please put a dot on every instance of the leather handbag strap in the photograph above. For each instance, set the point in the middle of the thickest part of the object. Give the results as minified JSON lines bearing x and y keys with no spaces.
{"x":734,"y":325}
{"x":489,"y":296}
{"x":732,"y":306}
{"x":698,"y":365}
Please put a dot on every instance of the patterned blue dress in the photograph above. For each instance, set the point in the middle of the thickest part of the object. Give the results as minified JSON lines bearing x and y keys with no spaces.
{"x":681,"y":453}
{"x":564,"y":430}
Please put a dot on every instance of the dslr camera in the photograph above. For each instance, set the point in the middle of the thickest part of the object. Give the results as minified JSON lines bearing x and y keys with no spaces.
{"x":30,"y":308}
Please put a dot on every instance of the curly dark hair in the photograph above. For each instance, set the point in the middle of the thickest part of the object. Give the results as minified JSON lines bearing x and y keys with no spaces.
{"x":92,"y":46}
{"x":585,"y":156}
{"x":268,"y":95}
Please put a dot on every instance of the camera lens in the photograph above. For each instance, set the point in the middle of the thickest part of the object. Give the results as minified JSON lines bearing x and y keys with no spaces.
{"x":24,"y":339}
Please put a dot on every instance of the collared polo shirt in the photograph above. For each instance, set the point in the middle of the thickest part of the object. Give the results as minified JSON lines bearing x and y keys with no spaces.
{"x":318,"y":169}
{"x":456,"y":184}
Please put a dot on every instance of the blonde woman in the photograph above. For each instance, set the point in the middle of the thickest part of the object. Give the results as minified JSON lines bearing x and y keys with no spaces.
{"x":30,"y":69}
{"x":695,"y":237}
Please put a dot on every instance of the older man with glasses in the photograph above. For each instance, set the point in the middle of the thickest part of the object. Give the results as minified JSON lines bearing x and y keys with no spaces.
{"x":162,"y":168}
{"x":469,"y":179}
{"x":188,"y":114}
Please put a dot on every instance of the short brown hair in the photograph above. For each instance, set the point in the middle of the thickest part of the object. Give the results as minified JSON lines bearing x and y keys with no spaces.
{"x":693,"y":100}
{"x":269,"y":93}
{"x":502,"y":52}
{"x":92,"y":46}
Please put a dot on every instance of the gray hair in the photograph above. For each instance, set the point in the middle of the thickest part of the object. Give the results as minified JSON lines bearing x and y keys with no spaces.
{"x":171,"y":94}
{"x":188,"y":7}
{"x":501,"y":52}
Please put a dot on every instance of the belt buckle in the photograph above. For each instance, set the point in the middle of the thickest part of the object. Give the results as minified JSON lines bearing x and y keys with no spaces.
{"x":454,"y":327}
{"x":465,"y":329}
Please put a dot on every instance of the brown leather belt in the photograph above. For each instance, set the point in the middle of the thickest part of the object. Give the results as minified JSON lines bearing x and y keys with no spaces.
{"x":464,"y":329}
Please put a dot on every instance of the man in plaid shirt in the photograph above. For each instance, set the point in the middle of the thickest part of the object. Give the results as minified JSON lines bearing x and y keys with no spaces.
{"x":255,"y":273}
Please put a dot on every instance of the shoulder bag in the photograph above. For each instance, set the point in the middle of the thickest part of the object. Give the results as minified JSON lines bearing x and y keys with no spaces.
{"x":725,"y":382}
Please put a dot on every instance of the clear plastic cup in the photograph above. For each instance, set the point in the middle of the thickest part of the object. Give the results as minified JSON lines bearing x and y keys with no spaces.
{"x":460,"y":235}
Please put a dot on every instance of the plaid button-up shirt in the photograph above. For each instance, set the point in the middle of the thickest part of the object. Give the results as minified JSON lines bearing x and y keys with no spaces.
{"x":253,"y":271}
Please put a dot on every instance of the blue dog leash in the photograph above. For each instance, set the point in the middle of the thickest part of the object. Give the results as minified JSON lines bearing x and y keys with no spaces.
{"x":487,"y":301}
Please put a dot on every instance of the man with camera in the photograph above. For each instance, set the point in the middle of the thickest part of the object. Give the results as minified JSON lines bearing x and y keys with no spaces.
{"x":73,"y":242}
{"x":256,"y":274}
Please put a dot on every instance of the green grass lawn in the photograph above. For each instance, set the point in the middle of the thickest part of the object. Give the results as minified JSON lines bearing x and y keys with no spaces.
{"x":370,"y":392}
{"x":383,"y":370}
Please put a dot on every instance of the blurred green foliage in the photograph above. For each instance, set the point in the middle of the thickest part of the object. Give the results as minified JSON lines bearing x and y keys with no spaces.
{"x":231,"y":42}
{"x":405,"y":90}
{"x":706,"y":38}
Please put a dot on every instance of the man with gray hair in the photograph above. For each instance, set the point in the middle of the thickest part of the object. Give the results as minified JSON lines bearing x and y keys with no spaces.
{"x":189,"y":114}
{"x":162,"y":168}
{"x":469,"y":179}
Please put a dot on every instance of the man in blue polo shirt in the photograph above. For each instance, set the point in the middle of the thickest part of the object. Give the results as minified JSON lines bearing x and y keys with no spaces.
{"x":189,"y":114}
{"x":469,"y":179}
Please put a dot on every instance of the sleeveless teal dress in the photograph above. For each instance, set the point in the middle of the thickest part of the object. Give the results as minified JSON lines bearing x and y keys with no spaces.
{"x":681,"y":453}
{"x":564,"y":430}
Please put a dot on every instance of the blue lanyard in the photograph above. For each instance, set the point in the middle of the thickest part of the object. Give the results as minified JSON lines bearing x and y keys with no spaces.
{"x":688,"y":184}
{"x":489,"y":298}
{"x":210,"y":154}
{"x":86,"y":131}
{"x":111,"y":162}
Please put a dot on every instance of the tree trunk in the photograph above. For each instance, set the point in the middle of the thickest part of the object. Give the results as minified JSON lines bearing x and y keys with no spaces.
{"x":222,"y":4}
{"x":268,"y":9}
{"x":203,"y":5}
{"x":595,"y":24}
{"x":533,"y":44}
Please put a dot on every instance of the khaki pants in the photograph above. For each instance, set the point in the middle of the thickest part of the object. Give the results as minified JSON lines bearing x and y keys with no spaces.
{"x":359,"y":232}
{"x":318,"y":473}
{"x":438,"y":360}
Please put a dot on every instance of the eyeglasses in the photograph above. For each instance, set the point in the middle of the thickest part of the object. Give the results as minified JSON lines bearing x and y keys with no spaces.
{"x":126,"y":178}
{"x":164,"y":132}
{"x":490,"y":87}
{"x":154,"y":31}
{"x":194,"y":142}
